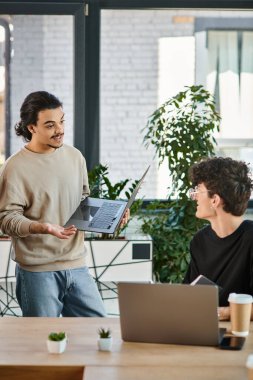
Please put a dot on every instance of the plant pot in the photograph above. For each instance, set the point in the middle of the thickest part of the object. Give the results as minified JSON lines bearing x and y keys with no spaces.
{"x":56,"y":347}
{"x":105,"y":344}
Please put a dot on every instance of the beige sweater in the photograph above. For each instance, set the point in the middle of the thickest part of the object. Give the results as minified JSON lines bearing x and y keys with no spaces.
{"x":44,"y":188}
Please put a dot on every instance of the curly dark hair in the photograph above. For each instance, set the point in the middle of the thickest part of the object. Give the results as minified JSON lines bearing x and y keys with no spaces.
{"x":32,"y":105}
{"x":228,"y":178}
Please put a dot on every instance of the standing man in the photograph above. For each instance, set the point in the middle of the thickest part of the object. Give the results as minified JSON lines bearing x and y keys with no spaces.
{"x":40,"y":188}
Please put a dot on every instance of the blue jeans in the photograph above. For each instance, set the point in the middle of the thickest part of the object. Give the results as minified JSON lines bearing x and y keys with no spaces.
{"x":70,"y":293}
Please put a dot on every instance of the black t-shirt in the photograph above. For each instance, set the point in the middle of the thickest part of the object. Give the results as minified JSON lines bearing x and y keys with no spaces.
{"x":226,"y":261}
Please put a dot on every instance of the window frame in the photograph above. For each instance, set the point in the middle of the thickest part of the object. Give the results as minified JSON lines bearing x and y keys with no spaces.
{"x":7,"y":57}
{"x":76,"y":8}
{"x":140,"y":5}
{"x":86,"y":51}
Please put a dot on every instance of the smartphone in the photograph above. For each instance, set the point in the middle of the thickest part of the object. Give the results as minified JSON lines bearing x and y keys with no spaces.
{"x":232,"y":343}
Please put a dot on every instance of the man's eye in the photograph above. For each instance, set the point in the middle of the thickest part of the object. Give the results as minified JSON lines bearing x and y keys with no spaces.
{"x":50,"y":125}
{"x":62,"y":121}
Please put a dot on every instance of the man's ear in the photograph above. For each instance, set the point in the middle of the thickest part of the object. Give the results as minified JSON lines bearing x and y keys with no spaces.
{"x":216,"y":201}
{"x":31,"y":128}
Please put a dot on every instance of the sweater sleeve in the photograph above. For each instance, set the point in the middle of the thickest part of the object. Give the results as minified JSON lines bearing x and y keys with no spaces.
{"x":12,"y":219}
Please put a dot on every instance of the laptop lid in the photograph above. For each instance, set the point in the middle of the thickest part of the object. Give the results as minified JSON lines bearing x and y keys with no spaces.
{"x":169,"y":313}
{"x":102,"y":215}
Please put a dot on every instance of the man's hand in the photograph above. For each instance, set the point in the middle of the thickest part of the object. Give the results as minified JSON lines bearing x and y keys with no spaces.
{"x":224,"y":313}
{"x":125,"y":218}
{"x":53,"y":229}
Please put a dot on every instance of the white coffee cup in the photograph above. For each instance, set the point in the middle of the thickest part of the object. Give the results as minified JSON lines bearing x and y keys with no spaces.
{"x":240,"y":313}
{"x":249,"y":365}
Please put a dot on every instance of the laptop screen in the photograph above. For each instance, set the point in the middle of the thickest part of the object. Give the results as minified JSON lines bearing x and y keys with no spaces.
{"x":169,"y":313}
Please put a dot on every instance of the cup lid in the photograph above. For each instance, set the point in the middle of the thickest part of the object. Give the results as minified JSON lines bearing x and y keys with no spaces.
{"x":249,"y":362}
{"x":240,"y":298}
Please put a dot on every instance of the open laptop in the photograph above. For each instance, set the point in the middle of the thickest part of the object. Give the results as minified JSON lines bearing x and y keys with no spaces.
{"x":169,"y":313}
{"x":102,"y":215}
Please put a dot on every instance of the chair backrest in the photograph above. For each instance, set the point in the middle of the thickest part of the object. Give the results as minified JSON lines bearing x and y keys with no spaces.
{"x":39,"y":372}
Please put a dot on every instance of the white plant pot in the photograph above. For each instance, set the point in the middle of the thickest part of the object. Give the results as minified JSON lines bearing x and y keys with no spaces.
{"x":105,"y":344}
{"x":56,"y":347}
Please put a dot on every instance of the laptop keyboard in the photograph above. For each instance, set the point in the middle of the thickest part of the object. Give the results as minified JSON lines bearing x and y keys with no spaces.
{"x":105,"y":216}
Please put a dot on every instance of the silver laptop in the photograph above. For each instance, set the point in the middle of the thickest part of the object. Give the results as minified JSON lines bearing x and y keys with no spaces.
{"x":169,"y":313}
{"x":102,"y":215}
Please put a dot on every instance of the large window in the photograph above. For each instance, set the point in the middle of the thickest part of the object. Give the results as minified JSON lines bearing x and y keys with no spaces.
{"x":2,"y":94}
{"x":147,"y":56}
{"x":226,"y":69}
{"x":123,"y":69}
{"x":5,"y":54}
{"x":47,"y":46}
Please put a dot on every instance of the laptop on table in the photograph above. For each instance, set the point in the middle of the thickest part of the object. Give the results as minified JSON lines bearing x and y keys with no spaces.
{"x":102,"y":215}
{"x":169,"y":313}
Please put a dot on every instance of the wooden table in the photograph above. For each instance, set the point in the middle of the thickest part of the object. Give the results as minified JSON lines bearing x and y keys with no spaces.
{"x":23,"y":342}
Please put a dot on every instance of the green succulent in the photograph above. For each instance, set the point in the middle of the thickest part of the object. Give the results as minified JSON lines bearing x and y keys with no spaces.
{"x":57,"y":336}
{"x":104,"y":333}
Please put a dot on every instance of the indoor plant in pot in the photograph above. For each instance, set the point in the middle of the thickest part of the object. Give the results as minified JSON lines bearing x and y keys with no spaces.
{"x":56,"y":342}
{"x":105,"y":339}
{"x":182,"y":132}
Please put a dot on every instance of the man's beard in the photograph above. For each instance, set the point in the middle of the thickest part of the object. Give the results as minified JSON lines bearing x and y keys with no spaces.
{"x":55,"y":147}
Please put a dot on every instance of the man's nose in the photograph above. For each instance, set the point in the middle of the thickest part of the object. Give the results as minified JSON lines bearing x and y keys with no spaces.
{"x":59,"y":128}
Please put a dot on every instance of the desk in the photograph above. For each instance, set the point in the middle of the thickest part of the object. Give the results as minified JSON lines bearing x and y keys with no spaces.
{"x":23,"y":341}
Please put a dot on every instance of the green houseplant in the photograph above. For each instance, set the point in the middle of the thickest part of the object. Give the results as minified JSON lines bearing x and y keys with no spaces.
{"x":104,"y":333}
{"x":105,"y":339}
{"x":57,"y":337}
{"x":181,"y":130}
{"x":56,"y":342}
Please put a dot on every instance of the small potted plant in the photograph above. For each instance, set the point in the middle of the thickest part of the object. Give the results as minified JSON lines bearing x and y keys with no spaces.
{"x":105,"y":339}
{"x":56,"y":342}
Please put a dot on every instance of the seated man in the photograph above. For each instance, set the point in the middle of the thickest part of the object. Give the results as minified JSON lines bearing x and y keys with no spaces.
{"x":223,"y":250}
